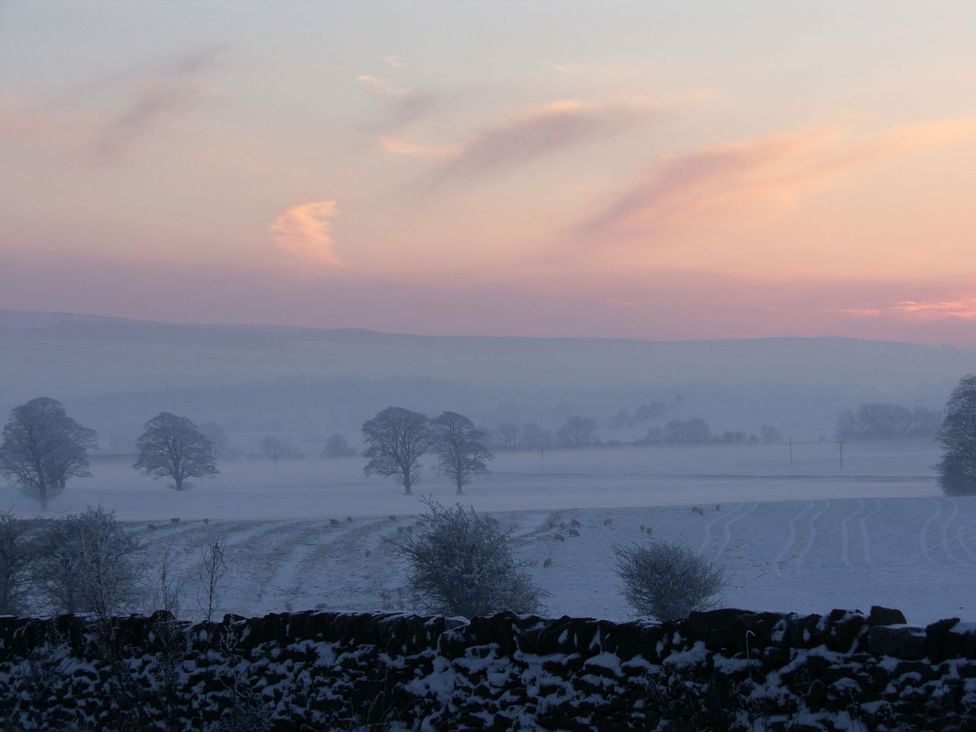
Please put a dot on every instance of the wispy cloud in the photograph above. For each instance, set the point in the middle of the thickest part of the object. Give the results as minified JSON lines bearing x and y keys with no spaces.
{"x":684,"y":185}
{"x":953,"y":308}
{"x":958,"y":309}
{"x":766,"y":171}
{"x":382,"y":86}
{"x":305,"y":231}
{"x":544,"y":131}
{"x":406,"y":105}
{"x":393,"y":61}
{"x":149,"y":95}
{"x":402,"y":146}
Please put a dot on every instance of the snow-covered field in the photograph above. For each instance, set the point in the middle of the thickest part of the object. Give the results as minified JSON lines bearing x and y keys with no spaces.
{"x":808,"y":538}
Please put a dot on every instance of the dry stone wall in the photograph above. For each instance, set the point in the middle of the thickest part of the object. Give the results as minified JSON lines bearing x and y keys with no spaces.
{"x":725,"y":669}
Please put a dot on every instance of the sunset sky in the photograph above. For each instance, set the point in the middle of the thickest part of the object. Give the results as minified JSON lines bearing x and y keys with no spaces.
{"x":654,"y":170}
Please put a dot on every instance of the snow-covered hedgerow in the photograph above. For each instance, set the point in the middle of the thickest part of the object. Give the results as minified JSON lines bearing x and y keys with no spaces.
{"x":724,"y":669}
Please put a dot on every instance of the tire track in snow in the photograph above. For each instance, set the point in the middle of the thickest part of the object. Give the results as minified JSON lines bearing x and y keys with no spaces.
{"x":727,"y":528}
{"x":253,"y":532}
{"x":252,"y":558}
{"x":179,"y":533}
{"x":316,"y":564}
{"x":965,"y":541}
{"x":845,"y":534}
{"x":944,"y":534}
{"x":723,"y":516}
{"x":791,"y":536}
{"x":923,"y":531}
{"x":299,"y":561}
{"x":866,"y":532}
{"x":812,"y":538}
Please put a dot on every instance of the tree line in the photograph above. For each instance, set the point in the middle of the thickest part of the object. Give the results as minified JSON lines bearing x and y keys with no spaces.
{"x":42,"y":448}
{"x":884,"y":421}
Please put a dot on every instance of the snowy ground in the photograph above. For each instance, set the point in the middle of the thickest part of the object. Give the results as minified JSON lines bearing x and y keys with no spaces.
{"x":810,"y":538}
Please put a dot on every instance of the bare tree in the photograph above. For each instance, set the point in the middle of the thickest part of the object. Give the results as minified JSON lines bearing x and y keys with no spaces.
{"x":535,"y":437}
{"x":87,"y":562}
{"x":15,"y":556}
{"x":43,"y":447}
{"x":336,"y":445}
{"x":212,"y":568}
{"x":691,"y":431}
{"x":395,"y":440}
{"x":508,"y":436}
{"x":220,"y":444}
{"x":957,"y":469}
{"x":173,"y":447}
{"x":460,"y":448}
{"x":275,"y":448}
{"x":667,"y":581}
{"x":462,"y":564}
{"x":577,"y":432}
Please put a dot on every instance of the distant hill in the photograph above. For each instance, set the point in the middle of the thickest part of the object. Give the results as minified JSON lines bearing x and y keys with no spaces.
{"x":798,"y":380}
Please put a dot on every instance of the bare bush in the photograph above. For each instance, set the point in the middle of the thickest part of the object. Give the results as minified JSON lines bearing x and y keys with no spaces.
{"x":462,"y":564}
{"x":667,"y":581}
{"x":15,"y":557}
{"x":212,"y":568}
{"x":87,"y":562}
{"x":167,"y":594}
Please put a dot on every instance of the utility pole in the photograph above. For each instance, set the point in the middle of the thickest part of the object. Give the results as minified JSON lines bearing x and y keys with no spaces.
{"x":542,"y":459}
{"x":791,"y":451}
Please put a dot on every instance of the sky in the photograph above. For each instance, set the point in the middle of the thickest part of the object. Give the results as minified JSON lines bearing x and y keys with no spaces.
{"x":629,"y":169}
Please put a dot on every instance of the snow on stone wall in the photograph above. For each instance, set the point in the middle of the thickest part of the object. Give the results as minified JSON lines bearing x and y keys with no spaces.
{"x":725,"y":669}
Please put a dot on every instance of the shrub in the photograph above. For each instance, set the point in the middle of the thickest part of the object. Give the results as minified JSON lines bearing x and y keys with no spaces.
{"x":462,"y":564}
{"x":87,"y":562}
{"x":15,"y":557}
{"x":667,"y":581}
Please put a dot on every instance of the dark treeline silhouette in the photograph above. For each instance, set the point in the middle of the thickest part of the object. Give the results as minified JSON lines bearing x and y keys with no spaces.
{"x":879,"y":421}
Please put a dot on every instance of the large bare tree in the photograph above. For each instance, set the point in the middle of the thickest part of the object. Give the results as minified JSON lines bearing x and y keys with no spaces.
{"x":957,"y":469}
{"x":43,"y":447}
{"x":395,"y":439}
{"x":173,"y":447}
{"x":460,"y":448}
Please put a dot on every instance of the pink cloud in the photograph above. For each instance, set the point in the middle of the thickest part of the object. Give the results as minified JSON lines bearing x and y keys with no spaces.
{"x":730,"y":179}
{"x":402,"y":146}
{"x":305,"y":231}
{"x":961,"y":308}
{"x":685,"y":185}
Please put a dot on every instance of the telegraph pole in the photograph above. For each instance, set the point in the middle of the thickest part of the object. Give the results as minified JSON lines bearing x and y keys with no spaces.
{"x":790,"y":443}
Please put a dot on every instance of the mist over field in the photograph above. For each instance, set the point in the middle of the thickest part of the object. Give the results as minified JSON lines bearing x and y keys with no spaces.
{"x":305,"y":383}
